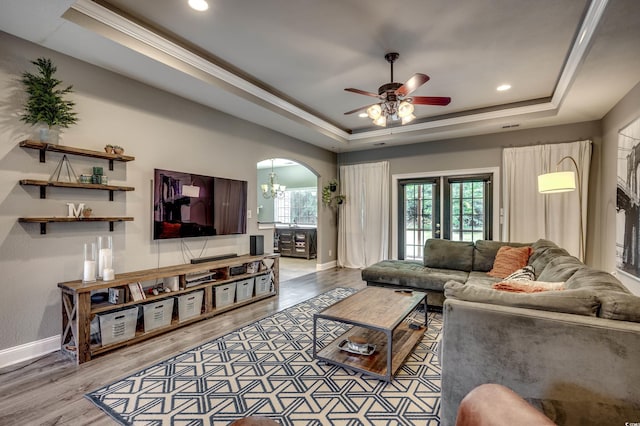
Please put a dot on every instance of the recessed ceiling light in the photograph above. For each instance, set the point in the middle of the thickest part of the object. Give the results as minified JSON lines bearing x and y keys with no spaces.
{"x":363,"y":115}
{"x":503,"y":87}
{"x":199,"y":5}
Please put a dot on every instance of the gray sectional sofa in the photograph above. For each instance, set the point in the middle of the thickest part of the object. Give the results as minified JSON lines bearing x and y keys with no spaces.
{"x":573,"y":353}
{"x":444,"y":260}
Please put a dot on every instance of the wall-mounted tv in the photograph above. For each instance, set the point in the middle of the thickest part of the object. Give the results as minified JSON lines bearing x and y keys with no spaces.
{"x":190,"y":205}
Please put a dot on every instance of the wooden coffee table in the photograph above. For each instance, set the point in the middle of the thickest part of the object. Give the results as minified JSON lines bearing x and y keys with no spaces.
{"x":378,"y":315}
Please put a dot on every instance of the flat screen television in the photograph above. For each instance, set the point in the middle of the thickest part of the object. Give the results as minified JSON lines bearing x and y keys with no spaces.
{"x":190,"y":205}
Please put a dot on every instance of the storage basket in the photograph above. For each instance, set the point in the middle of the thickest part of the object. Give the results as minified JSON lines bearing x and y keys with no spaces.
{"x":225,"y":295}
{"x":118,"y":326}
{"x":244,"y":290}
{"x":263,"y":284}
{"x":189,"y":305}
{"x":157,"y":314}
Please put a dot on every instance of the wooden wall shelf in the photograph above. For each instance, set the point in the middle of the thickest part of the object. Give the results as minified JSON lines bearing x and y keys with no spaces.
{"x":44,"y":220}
{"x":43,"y":184}
{"x":43,"y":147}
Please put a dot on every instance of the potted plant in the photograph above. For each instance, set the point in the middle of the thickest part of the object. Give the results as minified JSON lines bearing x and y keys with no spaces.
{"x":326,"y":195}
{"x":339,"y":199}
{"x":86,"y":212}
{"x":117,"y":149}
{"x":108,"y":148}
{"x":46,"y":104}
{"x":333,"y":185}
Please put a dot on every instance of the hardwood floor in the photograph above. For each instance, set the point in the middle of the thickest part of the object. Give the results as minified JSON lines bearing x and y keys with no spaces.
{"x":50,"y":390}
{"x":292,"y":267}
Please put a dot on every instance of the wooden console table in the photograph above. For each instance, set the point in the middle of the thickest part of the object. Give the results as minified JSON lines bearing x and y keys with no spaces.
{"x":78,"y":310}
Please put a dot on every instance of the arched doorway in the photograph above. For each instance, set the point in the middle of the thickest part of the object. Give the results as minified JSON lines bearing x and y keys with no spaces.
{"x":287,"y":200}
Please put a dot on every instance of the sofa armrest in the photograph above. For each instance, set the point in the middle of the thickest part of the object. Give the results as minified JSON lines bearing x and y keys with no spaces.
{"x":579,"y":369}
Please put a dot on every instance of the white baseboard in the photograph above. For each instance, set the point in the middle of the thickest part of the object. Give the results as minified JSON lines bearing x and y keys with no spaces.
{"x":325,"y":266}
{"x":29,"y":351}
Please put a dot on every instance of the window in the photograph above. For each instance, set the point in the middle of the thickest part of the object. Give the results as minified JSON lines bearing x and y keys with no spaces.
{"x":299,"y":206}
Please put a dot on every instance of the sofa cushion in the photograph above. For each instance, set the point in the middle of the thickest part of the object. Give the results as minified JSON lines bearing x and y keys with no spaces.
{"x":540,"y":260}
{"x":508,"y":260}
{"x":596,"y":281}
{"x":411,"y":274}
{"x":620,"y":306}
{"x":560,"y":268}
{"x":578,"y":301}
{"x":539,"y":247}
{"x":446,"y":254}
{"x":484,"y":253}
{"x":481,"y":279}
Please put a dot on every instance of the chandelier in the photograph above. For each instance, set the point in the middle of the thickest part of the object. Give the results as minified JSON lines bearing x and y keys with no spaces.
{"x":391,"y":110}
{"x":272,"y":189}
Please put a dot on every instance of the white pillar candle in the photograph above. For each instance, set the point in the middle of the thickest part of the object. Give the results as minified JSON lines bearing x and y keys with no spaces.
{"x":105,"y":260}
{"x":108,"y":274}
{"x":89,"y":274}
{"x":105,"y":254}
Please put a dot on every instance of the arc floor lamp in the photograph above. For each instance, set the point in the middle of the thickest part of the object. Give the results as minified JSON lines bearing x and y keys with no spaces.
{"x":555,"y":182}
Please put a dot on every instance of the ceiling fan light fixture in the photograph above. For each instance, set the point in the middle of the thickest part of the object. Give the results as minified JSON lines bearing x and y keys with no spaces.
{"x":408,"y":118}
{"x":380,"y":121}
{"x":374,"y":111}
{"x":405,"y":109}
{"x":363,"y":115}
{"x":503,"y":87}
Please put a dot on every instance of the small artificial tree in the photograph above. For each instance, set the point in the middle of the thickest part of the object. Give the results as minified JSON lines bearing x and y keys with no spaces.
{"x":46,"y":103}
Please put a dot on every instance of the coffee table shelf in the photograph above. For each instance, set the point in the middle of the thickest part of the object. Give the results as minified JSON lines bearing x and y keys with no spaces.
{"x":377,"y":314}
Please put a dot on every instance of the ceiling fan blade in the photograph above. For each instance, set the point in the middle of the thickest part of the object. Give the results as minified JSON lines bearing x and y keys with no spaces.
{"x":431,"y":100}
{"x":412,"y":84}
{"x":361,"y":92}
{"x":357,"y":109}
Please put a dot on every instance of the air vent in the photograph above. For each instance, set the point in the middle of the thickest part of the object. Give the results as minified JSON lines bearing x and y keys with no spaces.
{"x":510,"y":126}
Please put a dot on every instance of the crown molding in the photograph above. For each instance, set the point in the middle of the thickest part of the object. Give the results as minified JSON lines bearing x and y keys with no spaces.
{"x":158,"y":47}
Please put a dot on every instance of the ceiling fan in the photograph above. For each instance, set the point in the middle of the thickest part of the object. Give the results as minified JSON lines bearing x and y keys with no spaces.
{"x":396,"y":104}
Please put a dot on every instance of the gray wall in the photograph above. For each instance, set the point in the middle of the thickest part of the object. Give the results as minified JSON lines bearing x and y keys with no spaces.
{"x":486,"y":151}
{"x":161,"y":130}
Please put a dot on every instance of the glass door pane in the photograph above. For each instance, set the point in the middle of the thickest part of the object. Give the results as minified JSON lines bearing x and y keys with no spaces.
{"x":419,"y":218}
{"x":467,"y":209}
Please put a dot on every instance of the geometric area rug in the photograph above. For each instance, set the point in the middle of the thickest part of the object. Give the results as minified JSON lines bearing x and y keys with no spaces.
{"x":266,"y":369}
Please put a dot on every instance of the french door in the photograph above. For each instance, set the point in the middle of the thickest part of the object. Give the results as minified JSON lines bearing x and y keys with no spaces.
{"x":419,"y":218}
{"x":457,"y":208}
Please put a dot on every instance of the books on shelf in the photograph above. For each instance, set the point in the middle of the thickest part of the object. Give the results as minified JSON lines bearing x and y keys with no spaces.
{"x":137,"y":292}
{"x":116,"y":295}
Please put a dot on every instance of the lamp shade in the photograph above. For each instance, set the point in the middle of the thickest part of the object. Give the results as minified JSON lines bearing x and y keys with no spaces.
{"x":550,"y":183}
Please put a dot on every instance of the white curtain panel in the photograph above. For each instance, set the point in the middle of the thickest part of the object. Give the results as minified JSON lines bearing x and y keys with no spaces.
{"x":363,"y":223}
{"x":529,"y":215}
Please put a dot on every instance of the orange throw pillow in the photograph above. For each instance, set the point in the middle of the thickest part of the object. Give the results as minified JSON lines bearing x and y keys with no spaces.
{"x":508,"y":260}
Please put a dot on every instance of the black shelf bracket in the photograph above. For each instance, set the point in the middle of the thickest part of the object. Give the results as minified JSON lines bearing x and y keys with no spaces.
{"x":43,"y":192}
{"x":110,"y":226}
{"x":43,"y":158}
{"x":111,"y":165}
{"x":111,"y":195}
{"x":43,"y":228}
